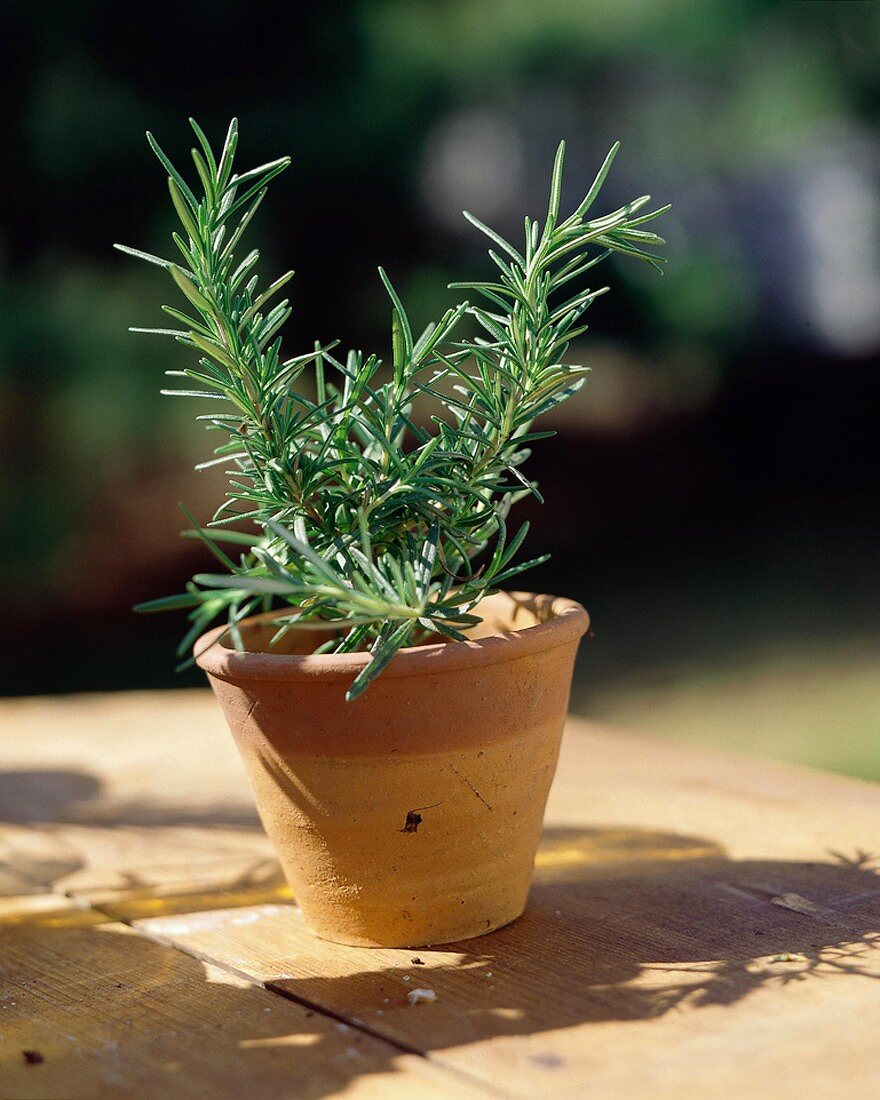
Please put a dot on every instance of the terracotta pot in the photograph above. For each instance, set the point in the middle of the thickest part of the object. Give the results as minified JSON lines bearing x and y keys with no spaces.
{"x":410,"y":816}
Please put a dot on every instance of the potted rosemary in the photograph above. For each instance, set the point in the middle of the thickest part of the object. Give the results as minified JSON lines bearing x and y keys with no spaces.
{"x":398,"y":712}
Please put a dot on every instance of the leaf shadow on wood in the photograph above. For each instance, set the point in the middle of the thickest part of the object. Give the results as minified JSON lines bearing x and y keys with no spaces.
{"x":61,"y":830}
{"x":627,"y":924}
{"x":40,"y":796}
{"x":92,"y":1008}
{"x":665,"y":920}
{"x":622,"y":924}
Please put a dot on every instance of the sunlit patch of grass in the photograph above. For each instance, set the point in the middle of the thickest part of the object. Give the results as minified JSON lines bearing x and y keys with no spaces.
{"x":819,"y":707}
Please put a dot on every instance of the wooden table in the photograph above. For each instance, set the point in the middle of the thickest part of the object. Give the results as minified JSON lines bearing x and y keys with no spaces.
{"x":700,"y":926}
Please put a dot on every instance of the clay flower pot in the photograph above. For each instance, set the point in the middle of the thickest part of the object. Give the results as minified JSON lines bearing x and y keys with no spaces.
{"x":410,"y":816}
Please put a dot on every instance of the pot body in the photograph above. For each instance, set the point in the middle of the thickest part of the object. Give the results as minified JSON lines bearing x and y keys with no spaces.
{"x":410,"y":816}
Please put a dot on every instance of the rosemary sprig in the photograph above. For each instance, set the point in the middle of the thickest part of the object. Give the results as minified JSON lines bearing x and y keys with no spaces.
{"x":363,"y":518}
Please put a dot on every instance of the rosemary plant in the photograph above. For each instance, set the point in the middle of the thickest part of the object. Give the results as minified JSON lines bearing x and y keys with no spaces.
{"x":360,"y":516}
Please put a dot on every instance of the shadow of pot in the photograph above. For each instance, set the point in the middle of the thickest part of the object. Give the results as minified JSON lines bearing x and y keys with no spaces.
{"x":410,"y":816}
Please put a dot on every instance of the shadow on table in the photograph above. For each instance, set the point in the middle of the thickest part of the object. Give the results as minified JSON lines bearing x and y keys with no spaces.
{"x":622,"y":924}
{"x":79,"y":798}
{"x":92,"y":1009}
{"x":64,"y":832}
{"x":626,"y":924}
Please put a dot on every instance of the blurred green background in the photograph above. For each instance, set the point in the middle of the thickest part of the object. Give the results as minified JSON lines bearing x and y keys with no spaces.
{"x":712,"y":495}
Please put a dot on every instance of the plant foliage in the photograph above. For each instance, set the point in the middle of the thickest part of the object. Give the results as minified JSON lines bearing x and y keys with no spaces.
{"x":387,"y":525}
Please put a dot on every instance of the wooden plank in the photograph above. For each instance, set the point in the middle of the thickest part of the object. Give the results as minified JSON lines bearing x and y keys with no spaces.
{"x":140,"y":795}
{"x":77,"y":859}
{"x":650,"y":961}
{"x":687,"y":907}
{"x":625,"y":994}
{"x":147,"y":759}
{"x":92,"y":1009}
{"x":31,"y":859}
{"x":215,"y":887}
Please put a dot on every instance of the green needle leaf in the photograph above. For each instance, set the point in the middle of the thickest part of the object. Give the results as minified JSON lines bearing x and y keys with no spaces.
{"x":186,"y":284}
{"x":375,"y":523}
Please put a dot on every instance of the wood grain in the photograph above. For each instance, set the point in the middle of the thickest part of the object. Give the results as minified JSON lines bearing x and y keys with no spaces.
{"x":622,"y":978}
{"x":92,"y":1009}
{"x":140,"y":796}
{"x":700,"y":924}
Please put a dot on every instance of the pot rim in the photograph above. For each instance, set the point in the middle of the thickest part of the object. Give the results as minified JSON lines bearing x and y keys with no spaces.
{"x":568,"y":621}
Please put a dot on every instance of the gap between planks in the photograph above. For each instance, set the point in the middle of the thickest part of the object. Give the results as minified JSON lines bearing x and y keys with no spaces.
{"x":355,"y":1023}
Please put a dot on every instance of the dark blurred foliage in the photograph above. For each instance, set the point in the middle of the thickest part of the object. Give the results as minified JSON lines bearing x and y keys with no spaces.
{"x":713,"y":487}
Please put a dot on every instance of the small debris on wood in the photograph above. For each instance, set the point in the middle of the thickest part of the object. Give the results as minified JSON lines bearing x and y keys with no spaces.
{"x":547,"y":1061}
{"x":416,"y":961}
{"x":421,"y":996}
{"x":34,"y":1058}
{"x":797,"y":904}
{"x":406,"y":978}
